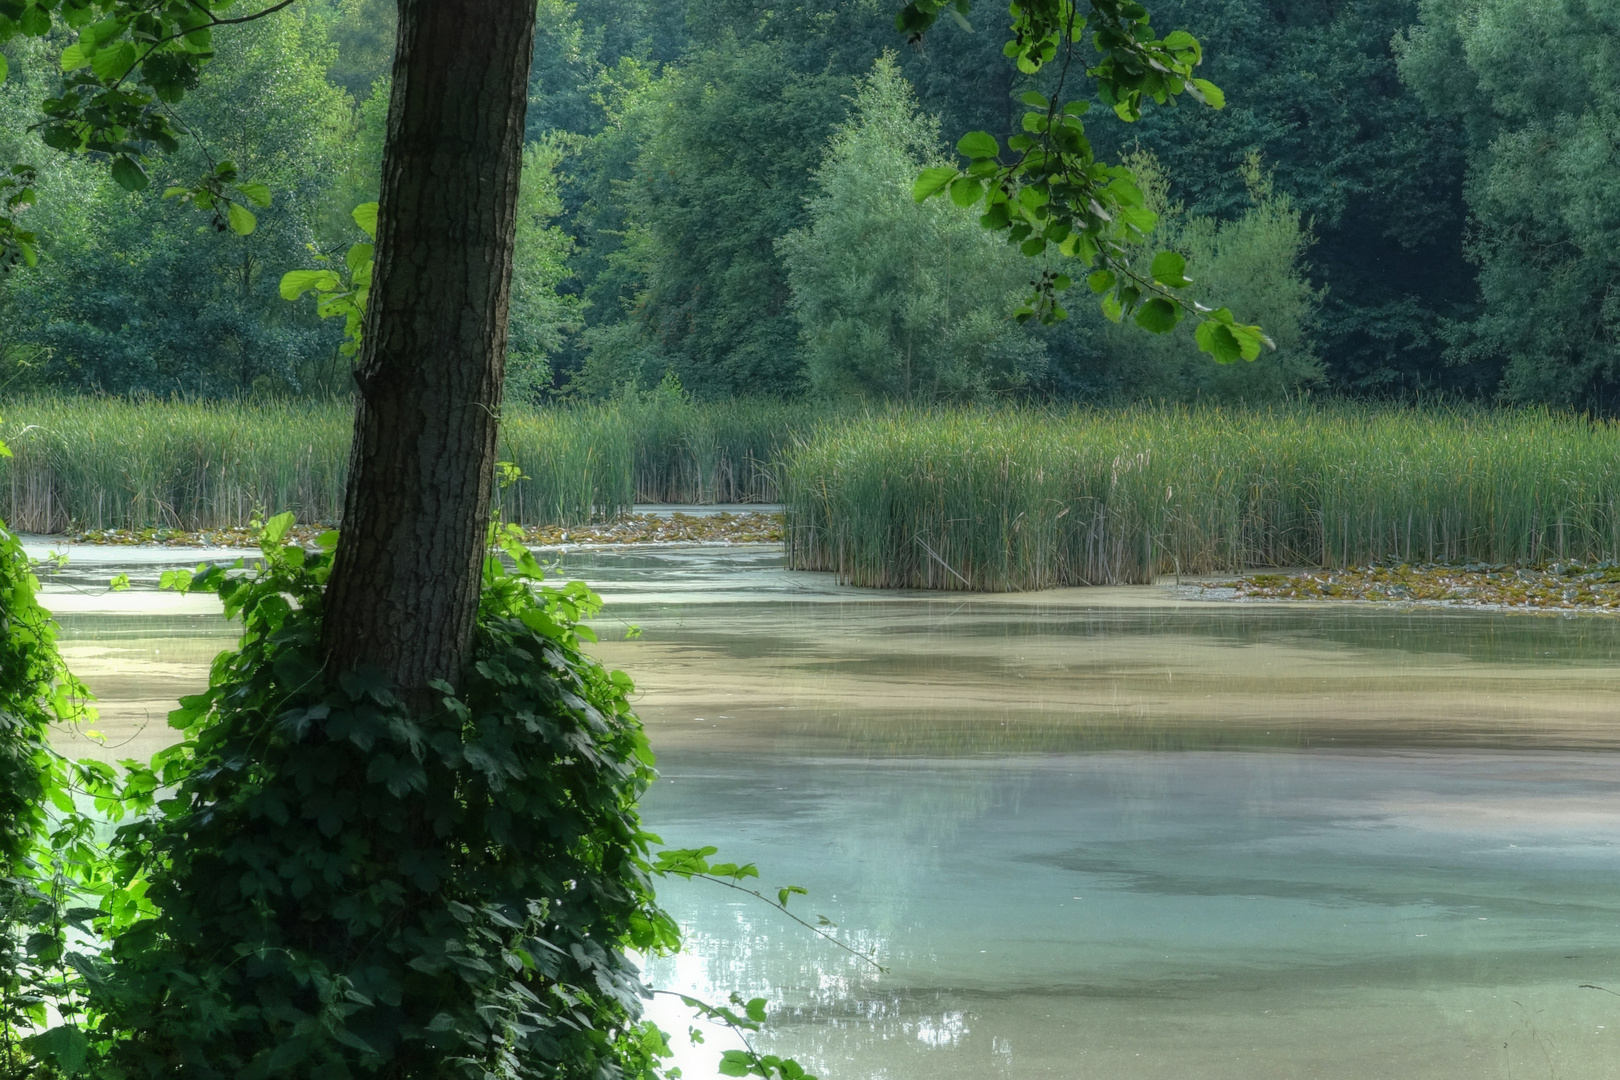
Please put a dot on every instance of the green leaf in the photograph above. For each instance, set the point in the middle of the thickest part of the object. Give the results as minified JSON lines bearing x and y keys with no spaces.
{"x":1169,"y":269}
{"x":1216,"y":339}
{"x":1158,"y":316}
{"x":35,"y":21}
{"x":257,"y":194}
{"x":365,"y":216}
{"x":295,"y":283}
{"x":1211,"y":93}
{"x":1039,"y":101}
{"x":242,"y":220}
{"x":64,"y":1046}
{"x":978,"y":144}
{"x":113,"y":63}
{"x":276,"y":528}
{"x":966,"y":190}
{"x":74,"y":57}
{"x":930,"y":182}
{"x":128,"y":174}
{"x":1250,"y":339}
{"x":1180,"y":39}
{"x":3,"y":68}
{"x":736,"y":1063}
{"x":1100,"y":281}
{"x":359,"y":256}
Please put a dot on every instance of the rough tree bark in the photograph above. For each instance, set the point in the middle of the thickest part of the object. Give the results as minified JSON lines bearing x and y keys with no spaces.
{"x":404,"y":590}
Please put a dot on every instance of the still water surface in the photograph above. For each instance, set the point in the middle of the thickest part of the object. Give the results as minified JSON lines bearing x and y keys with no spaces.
{"x":1111,"y":833}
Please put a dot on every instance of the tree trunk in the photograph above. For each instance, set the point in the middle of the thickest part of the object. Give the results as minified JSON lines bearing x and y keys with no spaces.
{"x":404,"y":590}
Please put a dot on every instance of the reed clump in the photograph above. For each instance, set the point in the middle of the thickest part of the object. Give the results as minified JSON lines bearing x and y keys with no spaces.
{"x":1028,"y":499}
{"x":103,"y":463}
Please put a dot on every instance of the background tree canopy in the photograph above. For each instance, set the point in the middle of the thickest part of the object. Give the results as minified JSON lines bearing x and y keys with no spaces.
{"x":1428,"y":225}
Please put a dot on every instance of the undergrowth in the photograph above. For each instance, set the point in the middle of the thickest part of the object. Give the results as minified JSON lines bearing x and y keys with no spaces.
{"x":320,"y":882}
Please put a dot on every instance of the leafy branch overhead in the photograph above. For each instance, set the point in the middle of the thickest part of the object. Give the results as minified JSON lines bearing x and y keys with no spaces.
{"x":129,"y":63}
{"x":1047,"y":190}
{"x":341,"y":293}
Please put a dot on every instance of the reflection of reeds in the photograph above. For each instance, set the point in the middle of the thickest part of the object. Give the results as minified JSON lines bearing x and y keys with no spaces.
{"x":1023,"y":499}
{"x":107,"y":463}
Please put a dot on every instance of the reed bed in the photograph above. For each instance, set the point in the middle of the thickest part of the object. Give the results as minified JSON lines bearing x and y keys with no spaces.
{"x":1025,"y":499}
{"x":109,"y":463}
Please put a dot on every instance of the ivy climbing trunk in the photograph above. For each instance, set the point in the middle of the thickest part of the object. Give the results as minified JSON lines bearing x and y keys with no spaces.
{"x":404,"y":588}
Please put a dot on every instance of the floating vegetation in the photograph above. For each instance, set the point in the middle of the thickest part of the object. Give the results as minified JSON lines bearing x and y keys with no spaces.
{"x":1556,"y":586}
{"x":748,"y":527}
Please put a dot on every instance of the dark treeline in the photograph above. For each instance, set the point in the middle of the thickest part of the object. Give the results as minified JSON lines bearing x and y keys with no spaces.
{"x":1414,"y":197}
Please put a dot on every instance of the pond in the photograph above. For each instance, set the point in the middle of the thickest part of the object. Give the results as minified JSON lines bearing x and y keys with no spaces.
{"x":1112,"y":833}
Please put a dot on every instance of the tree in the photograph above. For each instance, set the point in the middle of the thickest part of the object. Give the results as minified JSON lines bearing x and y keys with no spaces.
{"x":894,"y":299}
{"x":404,"y":587}
{"x":709,"y":211}
{"x":142,"y":299}
{"x":1537,"y":90}
{"x":1051,"y":190}
{"x":1254,"y":262}
{"x":1312,"y":85}
{"x":540,"y":316}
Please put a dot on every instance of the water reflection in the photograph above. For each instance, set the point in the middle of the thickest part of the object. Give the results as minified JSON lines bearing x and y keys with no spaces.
{"x":1095,"y":833}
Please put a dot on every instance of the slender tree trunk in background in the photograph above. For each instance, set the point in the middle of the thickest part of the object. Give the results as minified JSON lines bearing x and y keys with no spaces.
{"x":404,"y":590}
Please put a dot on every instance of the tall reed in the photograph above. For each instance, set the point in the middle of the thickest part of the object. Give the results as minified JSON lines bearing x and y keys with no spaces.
{"x":109,"y":463}
{"x":1026,"y":499}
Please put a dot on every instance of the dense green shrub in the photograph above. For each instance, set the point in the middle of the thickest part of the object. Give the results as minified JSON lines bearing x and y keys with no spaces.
{"x":340,"y":883}
{"x":41,"y":860}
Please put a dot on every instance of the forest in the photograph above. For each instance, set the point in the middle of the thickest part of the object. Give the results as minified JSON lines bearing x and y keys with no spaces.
{"x":1414,"y":199}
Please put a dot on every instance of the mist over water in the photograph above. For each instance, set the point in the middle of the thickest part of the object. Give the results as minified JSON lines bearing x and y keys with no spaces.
{"x":1092,"y":833}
